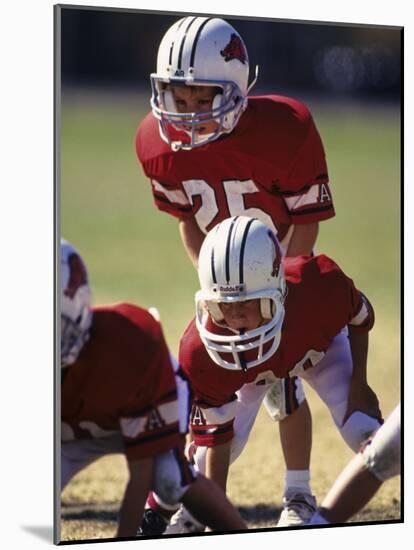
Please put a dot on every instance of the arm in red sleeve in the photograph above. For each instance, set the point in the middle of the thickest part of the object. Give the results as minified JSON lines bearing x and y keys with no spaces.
{"x":308,"y":197}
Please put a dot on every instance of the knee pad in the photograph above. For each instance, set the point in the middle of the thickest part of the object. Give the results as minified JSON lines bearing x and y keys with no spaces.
{"x":169,"y":493}
{"x":383,"y":455}
{"x":357,"y":429}
{"x":172,"y":476}
{"x":284,"y":397}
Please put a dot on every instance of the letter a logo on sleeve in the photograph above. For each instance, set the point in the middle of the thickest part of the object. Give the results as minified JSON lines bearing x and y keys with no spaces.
{"x":324,"y":195}
{"x":197,"y":417}
{"x":154,"y":421}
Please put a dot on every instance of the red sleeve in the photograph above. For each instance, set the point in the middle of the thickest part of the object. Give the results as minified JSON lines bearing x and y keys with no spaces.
{"x":156,"y":158}
{"x":351,"y":305}
{"x":214,"y":390}
{"x":363,"y":316}
{"x":172,"y":199}
{"x":359,"y":311}
{"x":308,"y":197}
{"x":212,"y":426}
{"x":150,"y":421}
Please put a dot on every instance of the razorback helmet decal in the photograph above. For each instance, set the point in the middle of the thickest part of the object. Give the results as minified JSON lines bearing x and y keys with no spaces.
{"x":234,"y":50}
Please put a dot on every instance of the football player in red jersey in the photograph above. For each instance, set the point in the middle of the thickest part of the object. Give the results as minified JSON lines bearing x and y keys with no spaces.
{"x":119,"y":394}
{"x":212,"y":152}
{"x":261,"y":321}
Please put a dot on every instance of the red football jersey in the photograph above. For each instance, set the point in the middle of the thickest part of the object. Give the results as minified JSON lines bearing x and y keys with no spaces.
{"x":272,"y":167}
{"x":321,"y":300}
{"x":123,"y":381}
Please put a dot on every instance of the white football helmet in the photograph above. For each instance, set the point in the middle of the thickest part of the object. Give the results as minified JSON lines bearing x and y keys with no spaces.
{"x":200,"y":51}
{"x":240,"y":259}
{"x":75,"y":303}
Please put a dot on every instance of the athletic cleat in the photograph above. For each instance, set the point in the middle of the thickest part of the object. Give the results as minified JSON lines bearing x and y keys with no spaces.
{"x":298,"y":508}
{"x":183,"y":522}
{"x":153,"y":524}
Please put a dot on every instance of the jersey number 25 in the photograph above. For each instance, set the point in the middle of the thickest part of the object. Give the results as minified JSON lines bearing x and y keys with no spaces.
{"x":234,"y":192}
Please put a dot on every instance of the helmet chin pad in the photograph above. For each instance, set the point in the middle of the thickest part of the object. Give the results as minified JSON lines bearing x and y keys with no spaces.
{"x":266,"y":309}
{"x":215,"y":311}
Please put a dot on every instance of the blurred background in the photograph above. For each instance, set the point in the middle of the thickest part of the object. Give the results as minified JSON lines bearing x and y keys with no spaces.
{"x":350,"y":78}
{"x":119,"y":49}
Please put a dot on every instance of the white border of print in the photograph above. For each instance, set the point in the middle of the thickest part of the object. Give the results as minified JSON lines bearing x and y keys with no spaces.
{"x":26,"y":219}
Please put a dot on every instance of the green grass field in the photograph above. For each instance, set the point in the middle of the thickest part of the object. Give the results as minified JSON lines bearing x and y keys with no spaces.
{"x":134,"y":253}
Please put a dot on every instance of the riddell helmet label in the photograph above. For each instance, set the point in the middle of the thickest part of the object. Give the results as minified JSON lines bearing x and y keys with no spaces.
{"x":234,"y":50}
{"x":230,"y":290}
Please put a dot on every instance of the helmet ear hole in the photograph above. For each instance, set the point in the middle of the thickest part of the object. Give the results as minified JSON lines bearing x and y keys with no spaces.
{"x":215,"y":311}
{"x":168,"y":100}
{"x":267,"y":308}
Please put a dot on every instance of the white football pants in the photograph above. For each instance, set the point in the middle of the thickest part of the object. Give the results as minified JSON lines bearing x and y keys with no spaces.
{"x":330,"y":378}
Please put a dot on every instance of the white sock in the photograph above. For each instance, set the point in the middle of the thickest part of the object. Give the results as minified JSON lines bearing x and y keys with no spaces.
{"x":297,"y":479}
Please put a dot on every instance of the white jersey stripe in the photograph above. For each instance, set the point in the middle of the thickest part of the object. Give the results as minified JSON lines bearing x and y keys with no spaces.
{"x":132,"y":427}
{"x":298,"y":201}
{"x":362,"y":316}
{"x":174,"y":196}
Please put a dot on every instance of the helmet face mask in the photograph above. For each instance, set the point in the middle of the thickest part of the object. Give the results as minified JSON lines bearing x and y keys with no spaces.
{"x":227,"y":107}
{"x":240,"y":260}
{"x":71,"y":340}
{"x":243,"y":349}
{"x":200,"y":51}
{"x":75,"y":304}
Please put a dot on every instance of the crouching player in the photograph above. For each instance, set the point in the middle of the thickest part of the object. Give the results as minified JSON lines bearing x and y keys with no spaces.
{"x":378,"y":461}
{"x":119,"y":395}
{"x":261,"y":322}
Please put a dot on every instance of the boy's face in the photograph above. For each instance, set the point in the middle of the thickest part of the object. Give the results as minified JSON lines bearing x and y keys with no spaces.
{"x":196,"y":99}
{"x":242,"y":315}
